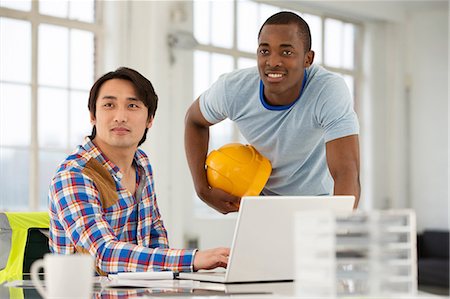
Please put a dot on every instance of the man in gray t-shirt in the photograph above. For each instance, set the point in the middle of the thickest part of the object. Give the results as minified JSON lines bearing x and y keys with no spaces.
{"x":299,"y":115}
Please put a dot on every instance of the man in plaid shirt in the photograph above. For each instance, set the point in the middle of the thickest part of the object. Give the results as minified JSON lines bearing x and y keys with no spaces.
{"x":102,"y":199}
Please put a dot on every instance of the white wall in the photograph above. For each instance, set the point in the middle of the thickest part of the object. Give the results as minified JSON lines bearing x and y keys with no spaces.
{"x":428,"y":69}
{"x":404,"y":128}
{"x":409,"y":117}
{"x":384,"y":119}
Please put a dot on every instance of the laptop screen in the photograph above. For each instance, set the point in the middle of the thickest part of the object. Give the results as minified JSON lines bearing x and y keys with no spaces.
{"x":263,"y":246}
{"x":263,"y":242}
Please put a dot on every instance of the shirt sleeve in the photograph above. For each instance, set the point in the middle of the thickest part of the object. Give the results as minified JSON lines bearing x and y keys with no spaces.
{"x":334,"y":110}
{"x":213,"y":101}
{"x":78,"y":209}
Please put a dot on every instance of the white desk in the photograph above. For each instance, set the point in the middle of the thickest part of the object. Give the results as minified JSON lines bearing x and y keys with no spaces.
{"x":194,"y":289}
{"x":187,"y":289}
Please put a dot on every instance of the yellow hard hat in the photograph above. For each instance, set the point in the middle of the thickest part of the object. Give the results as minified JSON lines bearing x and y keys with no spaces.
{"x":238,"y":169}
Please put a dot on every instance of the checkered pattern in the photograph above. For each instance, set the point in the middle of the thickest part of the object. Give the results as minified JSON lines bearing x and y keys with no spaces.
{"x":122,"y":293}
{"x":129,"y":236}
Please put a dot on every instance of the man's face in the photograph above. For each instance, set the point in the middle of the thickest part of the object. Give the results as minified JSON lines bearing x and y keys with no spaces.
{"x":281,"y":62}
{"x":121,"y":117}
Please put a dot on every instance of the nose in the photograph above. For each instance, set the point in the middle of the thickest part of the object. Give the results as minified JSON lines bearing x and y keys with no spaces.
{"x":273,"y":60}
{"x":121,"y":115}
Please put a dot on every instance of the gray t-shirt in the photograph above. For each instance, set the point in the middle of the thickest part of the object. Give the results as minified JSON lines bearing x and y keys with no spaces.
{"x":292,"y":137}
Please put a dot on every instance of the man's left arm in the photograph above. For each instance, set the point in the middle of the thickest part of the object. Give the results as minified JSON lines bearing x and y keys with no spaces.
{"x":343,"y":163}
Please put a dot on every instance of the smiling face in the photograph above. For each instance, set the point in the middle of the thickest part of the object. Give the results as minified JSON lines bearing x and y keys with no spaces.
{"x":121,"y":117}
{"x":281,"y":62}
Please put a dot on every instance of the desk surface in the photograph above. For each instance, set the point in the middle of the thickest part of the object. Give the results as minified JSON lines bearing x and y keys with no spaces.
{"x":167,"y":289}
{"x":184,"y":288}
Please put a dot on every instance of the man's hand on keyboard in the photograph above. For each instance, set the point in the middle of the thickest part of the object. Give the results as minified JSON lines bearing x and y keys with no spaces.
{"x":211,"y":258}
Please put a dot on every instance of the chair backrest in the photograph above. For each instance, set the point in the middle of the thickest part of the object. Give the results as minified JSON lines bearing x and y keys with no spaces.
{"x":435,"y":243}
{"x":21,"y":242}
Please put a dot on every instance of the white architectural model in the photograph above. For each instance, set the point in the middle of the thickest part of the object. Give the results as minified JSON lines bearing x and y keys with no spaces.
{"x":356,"y":254}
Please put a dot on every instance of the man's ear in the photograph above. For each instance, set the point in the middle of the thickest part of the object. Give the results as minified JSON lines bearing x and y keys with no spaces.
{"x":150,"y":122}
{"x":92,"y":119}
{"x":309,"y":59}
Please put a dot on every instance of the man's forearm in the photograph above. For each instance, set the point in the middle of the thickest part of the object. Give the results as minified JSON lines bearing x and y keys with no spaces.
{"x":348,"y":185}
{"x":196,"y":147}
{"x":343,"y":163}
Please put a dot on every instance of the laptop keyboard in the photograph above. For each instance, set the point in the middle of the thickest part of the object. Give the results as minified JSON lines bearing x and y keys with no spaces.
{"x":211,"y":273}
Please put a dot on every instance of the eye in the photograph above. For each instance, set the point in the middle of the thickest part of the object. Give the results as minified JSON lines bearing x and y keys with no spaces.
{"x":287,"y":53}
{"x":133,"y":106}
{"x":108,"y":105}
{"x":263,"y":51}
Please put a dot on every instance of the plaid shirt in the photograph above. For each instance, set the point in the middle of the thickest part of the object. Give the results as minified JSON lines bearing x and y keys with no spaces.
{"x":128,"y":236}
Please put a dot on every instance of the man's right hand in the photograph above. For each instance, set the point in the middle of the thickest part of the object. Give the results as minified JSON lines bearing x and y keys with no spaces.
{"x":211,"y":258}
{"x":196,"y":145}
{"x":220,"y":200}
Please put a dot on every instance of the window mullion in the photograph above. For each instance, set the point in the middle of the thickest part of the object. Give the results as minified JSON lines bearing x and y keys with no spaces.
{"x":235,"y":57}
{"x":235,"y":46}
{"x":99,"y":36}
{"x":68,"y":88}
{"x":322,"y":50}
{"x":34,"y":15}
{"x":34,"y":146}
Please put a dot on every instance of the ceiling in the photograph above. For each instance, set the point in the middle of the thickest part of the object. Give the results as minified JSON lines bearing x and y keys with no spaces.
{"x":395,"y":11}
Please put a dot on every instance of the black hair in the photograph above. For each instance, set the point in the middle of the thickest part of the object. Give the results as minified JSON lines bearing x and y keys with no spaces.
{"x":287,"y":17}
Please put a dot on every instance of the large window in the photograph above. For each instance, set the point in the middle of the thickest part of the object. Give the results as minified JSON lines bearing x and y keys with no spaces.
{"x":228,"y":41}
{"x":47,"y":55}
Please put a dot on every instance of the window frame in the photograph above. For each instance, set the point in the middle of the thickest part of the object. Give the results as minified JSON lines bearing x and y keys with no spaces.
{"x":35,"y":18}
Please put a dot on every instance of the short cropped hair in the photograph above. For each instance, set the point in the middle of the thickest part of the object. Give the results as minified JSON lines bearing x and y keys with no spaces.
{"x":142,"y":85}
{"x":287,"y":17}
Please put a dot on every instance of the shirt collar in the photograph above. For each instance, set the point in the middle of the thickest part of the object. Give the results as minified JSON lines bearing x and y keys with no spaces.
{"x":92,"y":151}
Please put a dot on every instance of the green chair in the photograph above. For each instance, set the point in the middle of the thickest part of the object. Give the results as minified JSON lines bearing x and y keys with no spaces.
{"x":23,"y":240}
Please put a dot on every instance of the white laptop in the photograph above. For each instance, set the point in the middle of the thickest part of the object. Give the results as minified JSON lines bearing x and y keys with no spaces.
{"x":262,"y":248}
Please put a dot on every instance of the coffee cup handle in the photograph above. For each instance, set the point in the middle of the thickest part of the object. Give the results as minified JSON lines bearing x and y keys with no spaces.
{"x":34,"y":270}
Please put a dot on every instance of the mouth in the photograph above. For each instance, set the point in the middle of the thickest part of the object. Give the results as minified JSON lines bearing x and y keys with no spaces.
{"x":120,"y":130}
{"x":275,"y":77}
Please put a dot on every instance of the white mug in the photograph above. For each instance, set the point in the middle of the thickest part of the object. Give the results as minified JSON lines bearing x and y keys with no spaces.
{"x":66,"y":276}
